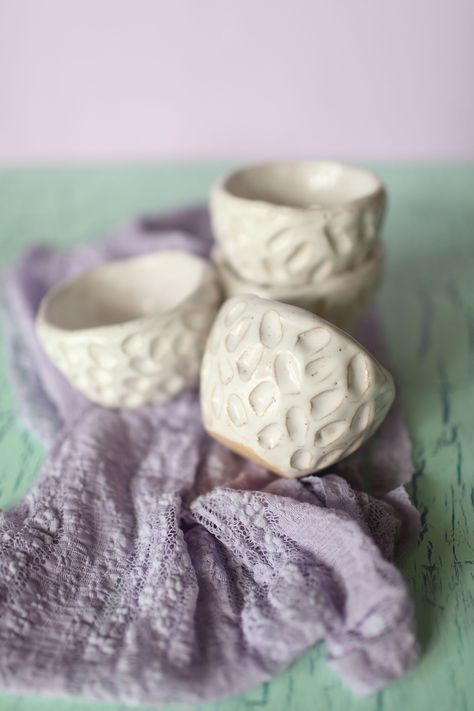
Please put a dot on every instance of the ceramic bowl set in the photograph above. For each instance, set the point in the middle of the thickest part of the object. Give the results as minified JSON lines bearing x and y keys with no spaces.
{"x":297,"y":252}
{"x":302,"y":232}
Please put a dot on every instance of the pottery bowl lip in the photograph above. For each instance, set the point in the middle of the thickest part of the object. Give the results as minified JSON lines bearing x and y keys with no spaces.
{"x":370,"y":267}
{"x":252,"y":184}
{"x":93,"y":277}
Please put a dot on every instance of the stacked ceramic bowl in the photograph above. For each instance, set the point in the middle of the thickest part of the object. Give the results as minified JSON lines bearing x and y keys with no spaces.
{"x":304,"y":233}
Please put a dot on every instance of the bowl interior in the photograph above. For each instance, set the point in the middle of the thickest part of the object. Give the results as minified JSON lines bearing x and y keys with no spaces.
{"x":125,"y":290}
{"x":302,"y":184}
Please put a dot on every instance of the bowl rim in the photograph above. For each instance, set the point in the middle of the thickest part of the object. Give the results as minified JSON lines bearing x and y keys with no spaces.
{"x":221,"y":186}
{"x":43,"y":325}
{"x":374,"y":261}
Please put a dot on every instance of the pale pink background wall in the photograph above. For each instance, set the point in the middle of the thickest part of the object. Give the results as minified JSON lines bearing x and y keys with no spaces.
{"x":146,"y":79}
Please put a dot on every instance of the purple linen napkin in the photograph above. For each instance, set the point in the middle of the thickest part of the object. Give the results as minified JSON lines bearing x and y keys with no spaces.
{"x":150,"y":565}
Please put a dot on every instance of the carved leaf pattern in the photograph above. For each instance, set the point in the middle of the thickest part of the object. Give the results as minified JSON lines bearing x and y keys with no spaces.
{"x":305,"y":396}
{"x":261,"y":243}
{"x":287,"y":373}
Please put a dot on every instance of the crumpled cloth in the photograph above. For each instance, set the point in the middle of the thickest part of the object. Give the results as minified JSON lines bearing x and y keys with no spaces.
{"x":150,"y":565}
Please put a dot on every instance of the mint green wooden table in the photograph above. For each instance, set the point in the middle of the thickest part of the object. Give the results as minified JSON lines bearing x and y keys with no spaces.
{"x":427,"y":305}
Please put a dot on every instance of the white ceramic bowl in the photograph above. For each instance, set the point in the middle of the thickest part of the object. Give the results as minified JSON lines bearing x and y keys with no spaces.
{"x":341,"y":299}
{"x":132,"y":331}
{"x":287,"y":389}
{"x":296,"y":222}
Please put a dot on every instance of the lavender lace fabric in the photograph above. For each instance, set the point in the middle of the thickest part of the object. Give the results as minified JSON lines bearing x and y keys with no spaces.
{"x":150,"y":565}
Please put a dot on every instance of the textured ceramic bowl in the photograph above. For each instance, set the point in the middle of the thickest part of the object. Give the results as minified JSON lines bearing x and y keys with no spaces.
{"x":341,"y":299}
{"x":296,"y":222}
{"x":287,"y":389}
{"x":132,"y":331}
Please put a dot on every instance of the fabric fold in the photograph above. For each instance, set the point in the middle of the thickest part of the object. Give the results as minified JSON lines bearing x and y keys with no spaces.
{"x":148,"y":564}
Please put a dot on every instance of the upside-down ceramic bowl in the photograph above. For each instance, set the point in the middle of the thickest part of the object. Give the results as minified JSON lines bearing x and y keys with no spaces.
{"x":287,"y":389}
{"x":132,"y":331}
{"x":342,"y":299}
{"x":296,"y":222}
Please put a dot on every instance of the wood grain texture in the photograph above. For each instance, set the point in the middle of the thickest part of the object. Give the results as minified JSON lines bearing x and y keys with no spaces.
{"x":427,"y":304}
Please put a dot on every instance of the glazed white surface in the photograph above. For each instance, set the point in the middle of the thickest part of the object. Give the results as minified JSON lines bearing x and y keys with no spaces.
{"x":341,"y":299}
{"x":296,"y":222}
{"x":287,"y":388}
{"x":132,"y":331}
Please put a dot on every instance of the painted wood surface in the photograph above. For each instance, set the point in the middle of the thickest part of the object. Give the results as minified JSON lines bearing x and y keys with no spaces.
{"x":427,"y":306}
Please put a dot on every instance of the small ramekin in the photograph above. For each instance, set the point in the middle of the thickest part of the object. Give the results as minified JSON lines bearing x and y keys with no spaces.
{"x":296,"y":222}
{"x":341,"y":299}
{"x":132,"y":331}
{"x":287,"y":389}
